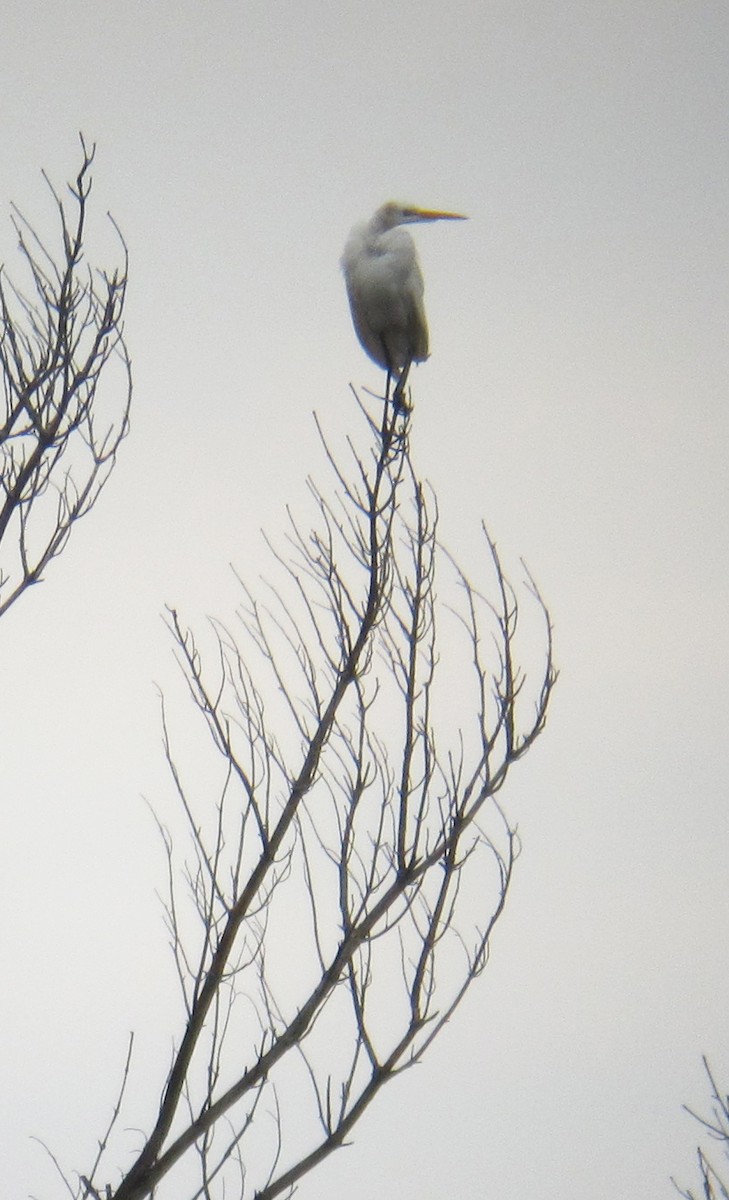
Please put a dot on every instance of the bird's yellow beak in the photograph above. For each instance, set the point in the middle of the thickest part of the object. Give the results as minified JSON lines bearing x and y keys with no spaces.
{"x":434,"y":214}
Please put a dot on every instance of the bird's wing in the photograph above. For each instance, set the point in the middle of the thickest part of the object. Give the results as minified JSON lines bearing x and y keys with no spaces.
{"x":417,"y":325}
{"x":407,"y":333}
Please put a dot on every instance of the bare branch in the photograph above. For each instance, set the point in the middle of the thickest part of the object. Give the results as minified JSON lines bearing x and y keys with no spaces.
{"x":59,"y":430}
{"x":713,"y":1185}
{"x":347,"y":865}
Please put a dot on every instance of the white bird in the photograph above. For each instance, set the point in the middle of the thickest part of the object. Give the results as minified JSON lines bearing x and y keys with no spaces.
{"x":385,"y":288}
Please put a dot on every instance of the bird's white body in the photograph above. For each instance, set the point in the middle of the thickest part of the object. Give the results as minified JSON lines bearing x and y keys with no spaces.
{"x":385,"y":286}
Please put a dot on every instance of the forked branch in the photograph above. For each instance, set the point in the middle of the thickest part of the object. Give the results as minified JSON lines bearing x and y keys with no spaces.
{"x":59,"y":430}
{"x":349,"y":866}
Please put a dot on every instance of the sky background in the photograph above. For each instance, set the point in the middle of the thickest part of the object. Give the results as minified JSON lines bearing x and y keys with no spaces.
{"x":576,"y":399}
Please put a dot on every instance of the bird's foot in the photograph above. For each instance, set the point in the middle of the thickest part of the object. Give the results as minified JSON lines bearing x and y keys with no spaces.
{"x":402,"y":404}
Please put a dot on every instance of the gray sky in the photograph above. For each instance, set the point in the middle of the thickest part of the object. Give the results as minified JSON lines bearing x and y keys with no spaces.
{"x":576,"y":399}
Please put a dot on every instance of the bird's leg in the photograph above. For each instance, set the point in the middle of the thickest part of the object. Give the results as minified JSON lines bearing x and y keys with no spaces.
{"x":391,"y":374}
{"x":399,"y":378}
{"x":398,"y":397}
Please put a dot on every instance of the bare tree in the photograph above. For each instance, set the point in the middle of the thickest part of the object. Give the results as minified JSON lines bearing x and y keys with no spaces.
{"x":347,"y":855}
{"x":713,"y":1186}
{"x":59,"y":436}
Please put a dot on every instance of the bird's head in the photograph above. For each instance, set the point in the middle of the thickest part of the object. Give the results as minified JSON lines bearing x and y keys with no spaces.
{"x":393,"y":213}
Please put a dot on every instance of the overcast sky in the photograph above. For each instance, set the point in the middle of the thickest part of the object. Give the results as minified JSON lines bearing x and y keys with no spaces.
{"x":576,"y":399}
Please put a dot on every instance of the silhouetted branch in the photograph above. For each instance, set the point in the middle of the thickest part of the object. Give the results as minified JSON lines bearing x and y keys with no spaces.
{"x":346,"y":857}
{"x":713,"y":1186}
{"x":59,"y":435}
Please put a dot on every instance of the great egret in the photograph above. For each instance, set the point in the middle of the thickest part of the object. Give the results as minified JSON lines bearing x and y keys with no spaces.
{"x":385,"y":288}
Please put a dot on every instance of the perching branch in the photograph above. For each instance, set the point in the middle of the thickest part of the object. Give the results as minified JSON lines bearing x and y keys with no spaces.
{"x":348,"y":858}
